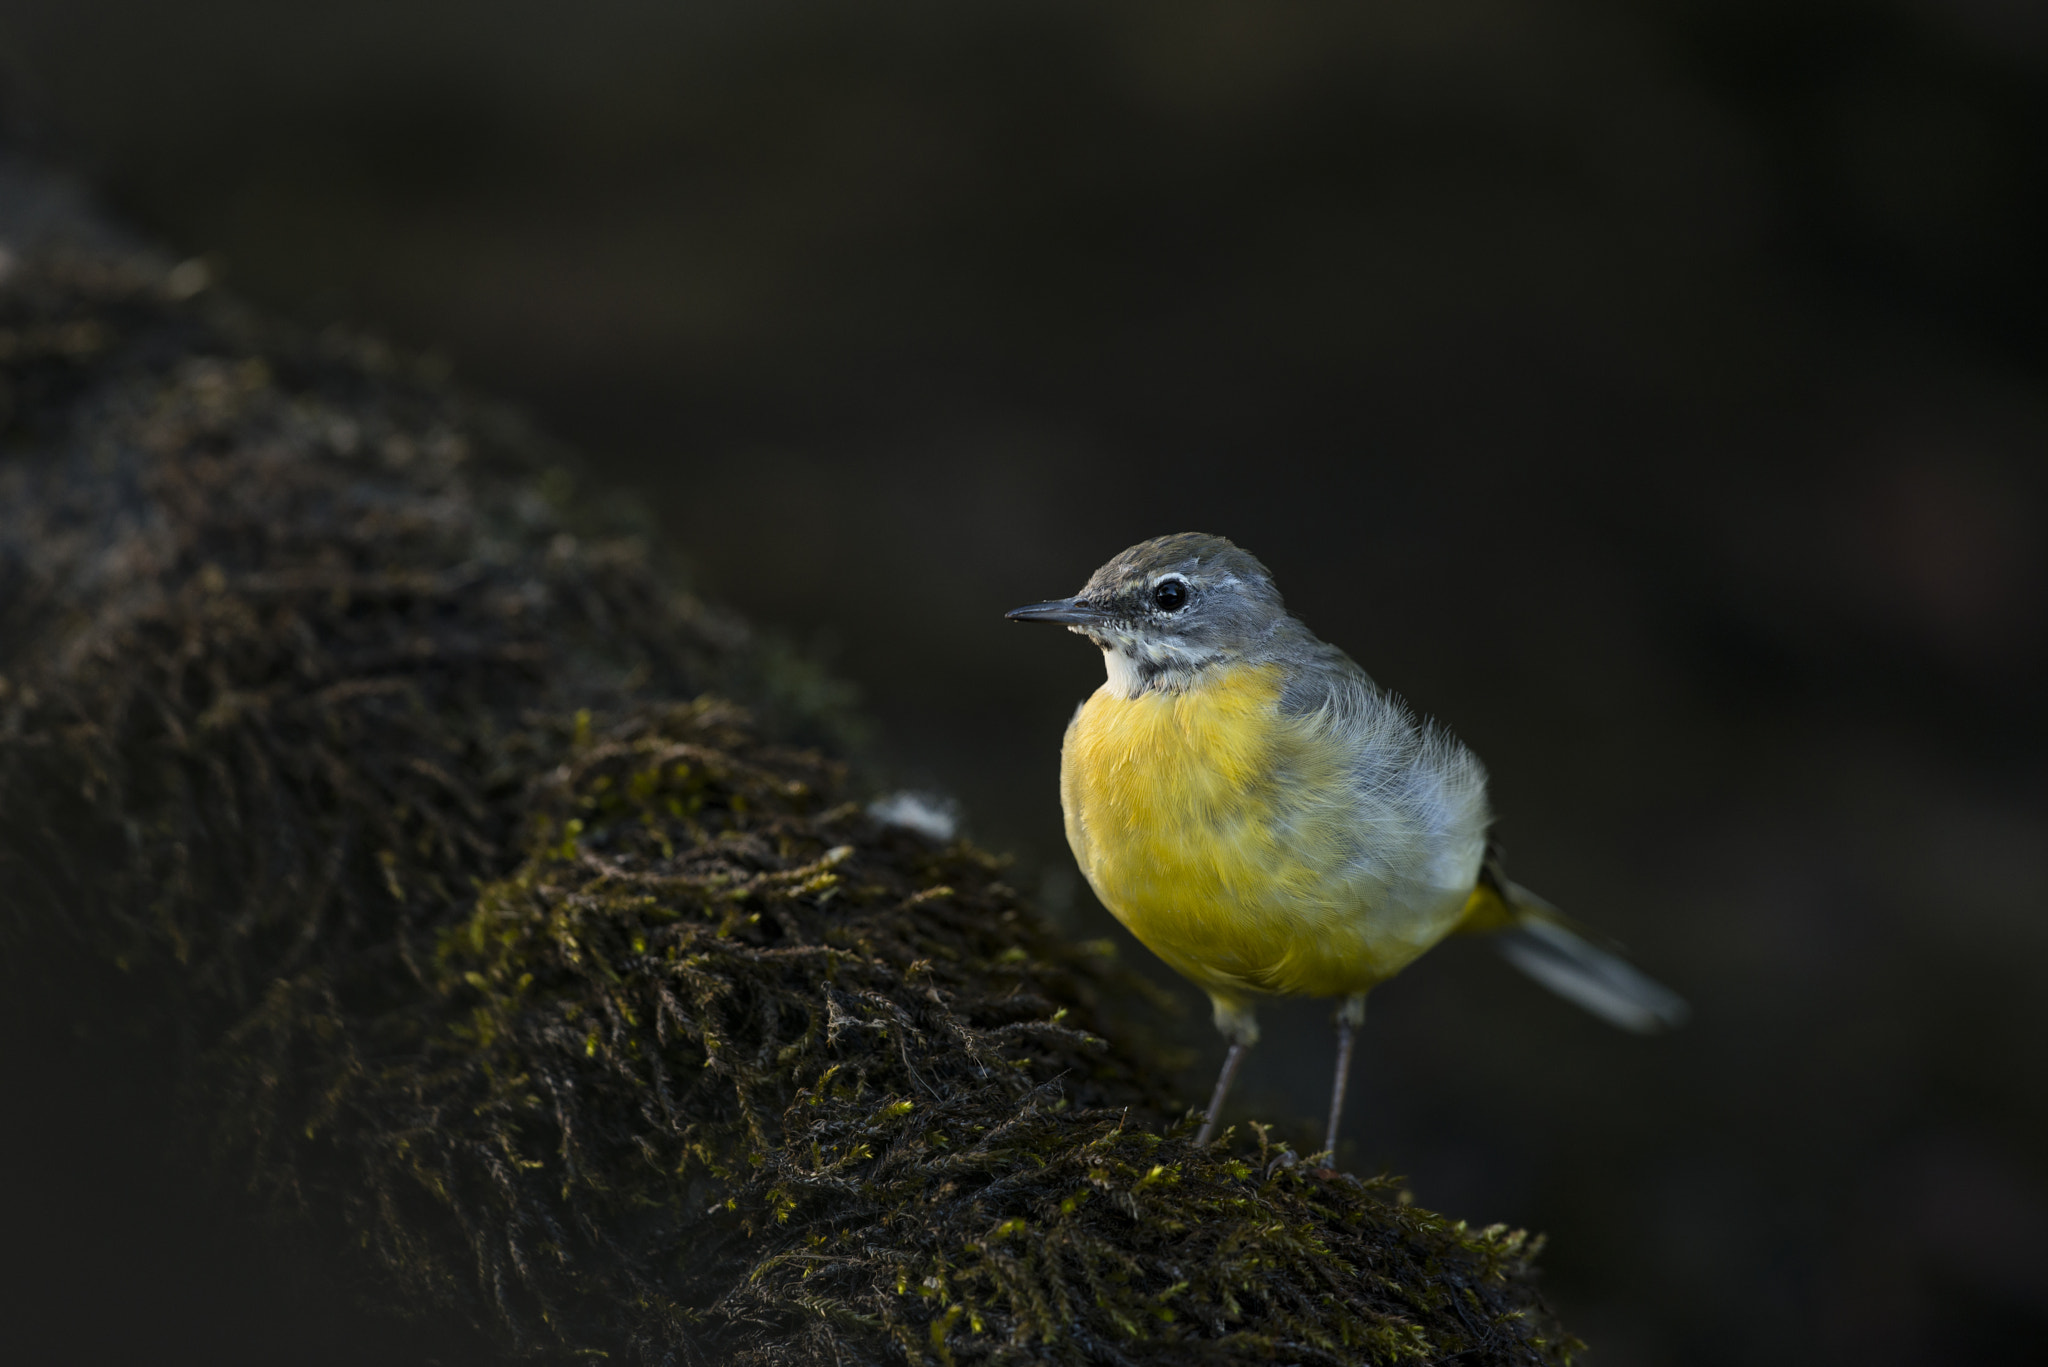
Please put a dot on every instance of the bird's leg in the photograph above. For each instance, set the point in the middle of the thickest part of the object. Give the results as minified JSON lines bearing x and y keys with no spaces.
{"x":1236,"y":1023}
{"x":1230,"y":1062}
{"x":1350,"y":1016}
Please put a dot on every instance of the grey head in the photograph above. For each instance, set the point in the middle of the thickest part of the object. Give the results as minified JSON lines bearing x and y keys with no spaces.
{"x":1172,"y":606}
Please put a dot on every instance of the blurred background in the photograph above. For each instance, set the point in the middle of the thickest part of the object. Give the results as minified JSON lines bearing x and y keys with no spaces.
{"x":1653,"y":392}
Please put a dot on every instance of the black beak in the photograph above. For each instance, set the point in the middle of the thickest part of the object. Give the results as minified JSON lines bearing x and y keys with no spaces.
{"x":1072,"y":611}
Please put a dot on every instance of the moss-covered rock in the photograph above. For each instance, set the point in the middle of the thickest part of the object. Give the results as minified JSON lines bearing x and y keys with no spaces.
{"x":542,"y":986}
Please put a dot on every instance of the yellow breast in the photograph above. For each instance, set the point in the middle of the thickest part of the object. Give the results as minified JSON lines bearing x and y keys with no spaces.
{"x":1222,"y":833}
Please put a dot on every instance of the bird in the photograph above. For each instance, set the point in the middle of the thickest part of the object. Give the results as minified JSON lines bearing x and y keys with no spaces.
{"x":1270,"y":821}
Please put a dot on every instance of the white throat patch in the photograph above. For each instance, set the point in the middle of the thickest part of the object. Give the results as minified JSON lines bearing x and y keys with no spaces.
{"x":1125,"y":679}
{"x":1136,"y":663}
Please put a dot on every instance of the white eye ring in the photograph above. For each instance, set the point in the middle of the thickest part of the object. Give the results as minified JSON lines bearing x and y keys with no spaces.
{"x":1170,"y":593}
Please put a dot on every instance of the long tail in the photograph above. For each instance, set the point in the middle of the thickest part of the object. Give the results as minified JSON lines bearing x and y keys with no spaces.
{"x":1540,"y":940}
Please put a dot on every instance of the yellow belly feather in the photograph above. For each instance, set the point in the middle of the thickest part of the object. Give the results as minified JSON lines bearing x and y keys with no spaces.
{"x":1217,"y":829}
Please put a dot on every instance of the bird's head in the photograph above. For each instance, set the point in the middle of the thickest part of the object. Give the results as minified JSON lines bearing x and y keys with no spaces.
{"x":1170,"y":607}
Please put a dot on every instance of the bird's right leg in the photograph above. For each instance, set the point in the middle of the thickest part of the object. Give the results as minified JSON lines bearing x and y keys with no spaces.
{"x":1350,"y":1016}
{"x":1235,"y":1020}
{"x":1230,"y":1062}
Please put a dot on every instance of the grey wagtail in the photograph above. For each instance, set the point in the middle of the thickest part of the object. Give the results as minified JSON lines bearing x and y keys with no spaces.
{"x":1269,"y":821}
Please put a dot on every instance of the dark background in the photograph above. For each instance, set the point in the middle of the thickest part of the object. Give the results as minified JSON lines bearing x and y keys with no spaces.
{"x":1653,"y":392}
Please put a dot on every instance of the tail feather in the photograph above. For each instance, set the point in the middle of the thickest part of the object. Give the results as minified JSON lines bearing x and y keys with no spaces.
{"x":1540,"y":941}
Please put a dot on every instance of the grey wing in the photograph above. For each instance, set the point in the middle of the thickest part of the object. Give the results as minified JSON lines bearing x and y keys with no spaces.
{"x":1419,"y":796}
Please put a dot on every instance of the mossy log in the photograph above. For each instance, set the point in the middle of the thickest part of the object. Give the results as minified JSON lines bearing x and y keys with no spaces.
{"x":526,"y":949}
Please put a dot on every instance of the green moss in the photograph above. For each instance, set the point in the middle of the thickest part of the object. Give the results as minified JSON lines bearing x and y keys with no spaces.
{"x":606,"y":1021}
{"x":848,"y":1092}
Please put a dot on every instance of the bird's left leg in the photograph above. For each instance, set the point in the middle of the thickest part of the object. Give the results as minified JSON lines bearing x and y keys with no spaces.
{"x":1350,"y":1016}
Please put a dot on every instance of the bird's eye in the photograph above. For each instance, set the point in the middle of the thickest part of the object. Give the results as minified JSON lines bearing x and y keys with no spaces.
{"x":1171,"y":595}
